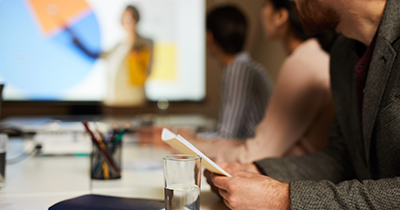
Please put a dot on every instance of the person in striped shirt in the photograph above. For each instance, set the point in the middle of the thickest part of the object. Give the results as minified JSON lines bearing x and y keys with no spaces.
{"x":246,"y":87}
{"x":301,"y":111}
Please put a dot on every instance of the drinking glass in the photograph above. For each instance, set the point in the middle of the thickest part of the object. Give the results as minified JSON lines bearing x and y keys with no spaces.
{"x":182,"y":176}
{"x":3,"y":149}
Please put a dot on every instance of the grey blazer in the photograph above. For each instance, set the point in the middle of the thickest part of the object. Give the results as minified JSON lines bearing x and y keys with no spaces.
{"x":360,"y":168}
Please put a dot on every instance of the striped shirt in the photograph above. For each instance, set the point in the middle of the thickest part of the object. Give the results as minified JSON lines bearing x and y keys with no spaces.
{"x":245,"y":90}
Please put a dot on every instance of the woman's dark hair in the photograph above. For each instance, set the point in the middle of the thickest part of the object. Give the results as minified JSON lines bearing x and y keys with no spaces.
{"x":229,"y":27}
{"x":325,"y":39}
{"x":135,"y":12}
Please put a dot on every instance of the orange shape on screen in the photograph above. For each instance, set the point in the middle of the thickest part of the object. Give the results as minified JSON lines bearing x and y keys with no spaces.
{"x":54,"y":14}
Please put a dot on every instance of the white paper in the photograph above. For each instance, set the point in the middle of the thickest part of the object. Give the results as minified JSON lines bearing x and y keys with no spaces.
{"x":182,"y":145}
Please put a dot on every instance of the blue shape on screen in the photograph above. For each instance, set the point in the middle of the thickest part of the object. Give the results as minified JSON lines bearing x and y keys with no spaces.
{"x":43,"y":67}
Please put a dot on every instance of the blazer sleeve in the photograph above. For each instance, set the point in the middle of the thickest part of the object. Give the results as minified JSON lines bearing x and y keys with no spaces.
{"x":333,"y":163}
{"x":352,"y":194}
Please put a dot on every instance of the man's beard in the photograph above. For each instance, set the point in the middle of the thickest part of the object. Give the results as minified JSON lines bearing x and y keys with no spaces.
{"x":316,"y":17}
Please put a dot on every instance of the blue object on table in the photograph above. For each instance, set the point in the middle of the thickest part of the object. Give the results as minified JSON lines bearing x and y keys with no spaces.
{"x":97,"y":202}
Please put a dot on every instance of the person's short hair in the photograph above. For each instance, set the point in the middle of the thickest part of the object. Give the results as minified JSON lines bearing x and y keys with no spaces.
{"x":135,"y":12}
{"x":229,"y":28}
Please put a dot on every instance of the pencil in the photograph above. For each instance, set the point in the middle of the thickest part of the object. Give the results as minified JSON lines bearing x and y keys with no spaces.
{"x":99,"y":132}
{"x":106,"y":172}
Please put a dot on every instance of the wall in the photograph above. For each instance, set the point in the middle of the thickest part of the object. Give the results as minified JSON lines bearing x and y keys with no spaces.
{"x":270,"y":54}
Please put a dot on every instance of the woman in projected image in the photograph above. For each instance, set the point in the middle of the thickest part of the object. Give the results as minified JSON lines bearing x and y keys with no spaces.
{"x":299,"y":115}
{"x":129,"y":63}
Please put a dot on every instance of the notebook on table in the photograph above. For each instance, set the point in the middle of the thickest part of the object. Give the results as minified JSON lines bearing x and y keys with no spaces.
{"x":101,"y":202}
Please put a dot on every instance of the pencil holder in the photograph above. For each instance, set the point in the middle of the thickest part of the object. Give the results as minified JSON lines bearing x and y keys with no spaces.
{"x":103,"y":167}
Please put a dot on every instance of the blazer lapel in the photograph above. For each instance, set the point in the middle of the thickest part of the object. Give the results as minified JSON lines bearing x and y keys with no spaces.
{"x":343,"y":81}
{"x":378,"y":75}
{"x":380,"y":69}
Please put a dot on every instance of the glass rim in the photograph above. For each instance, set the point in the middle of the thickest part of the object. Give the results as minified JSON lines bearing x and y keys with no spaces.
{"x":176,"y":157}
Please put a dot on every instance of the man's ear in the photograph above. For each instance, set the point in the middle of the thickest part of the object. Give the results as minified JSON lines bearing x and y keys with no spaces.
{"x":209,"y":37}
{"x":210,"y":43}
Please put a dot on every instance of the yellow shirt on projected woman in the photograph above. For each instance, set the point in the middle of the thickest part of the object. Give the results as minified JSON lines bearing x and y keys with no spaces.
{"x":129,"y":66}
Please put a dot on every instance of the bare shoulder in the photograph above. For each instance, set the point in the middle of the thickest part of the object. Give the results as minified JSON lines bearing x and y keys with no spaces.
{"x":308,"y":65}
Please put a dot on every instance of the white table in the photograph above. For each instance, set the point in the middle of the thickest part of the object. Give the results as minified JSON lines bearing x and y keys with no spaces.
{"x":39,"y":182}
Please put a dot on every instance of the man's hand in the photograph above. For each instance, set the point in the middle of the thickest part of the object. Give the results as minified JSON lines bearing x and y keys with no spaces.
{"x":231,"y":168}
{"x":247,"y":190}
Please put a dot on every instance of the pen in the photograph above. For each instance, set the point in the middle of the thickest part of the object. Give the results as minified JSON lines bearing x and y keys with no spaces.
{"x":118,"y":139}
{"x":122,"y":132}
{"x":111,"y":133}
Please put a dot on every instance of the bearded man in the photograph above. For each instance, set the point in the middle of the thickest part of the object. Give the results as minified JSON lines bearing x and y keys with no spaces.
{"x":360,"y":168}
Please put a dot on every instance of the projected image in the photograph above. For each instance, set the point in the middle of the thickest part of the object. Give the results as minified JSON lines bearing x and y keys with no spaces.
{"x":37,"y":59}
{"x":100,"y":50}
{"x":129,"y":62}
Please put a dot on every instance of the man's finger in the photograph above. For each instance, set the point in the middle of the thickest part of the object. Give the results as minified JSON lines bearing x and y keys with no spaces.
{"x":220,"y":181}
{"x":244,"y":174}
{"x":209,"y":181}
{"x":207,"y":174}
{"x":224,"y":194}
{"x":215,"y":190}
{"x":228,"y":204}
